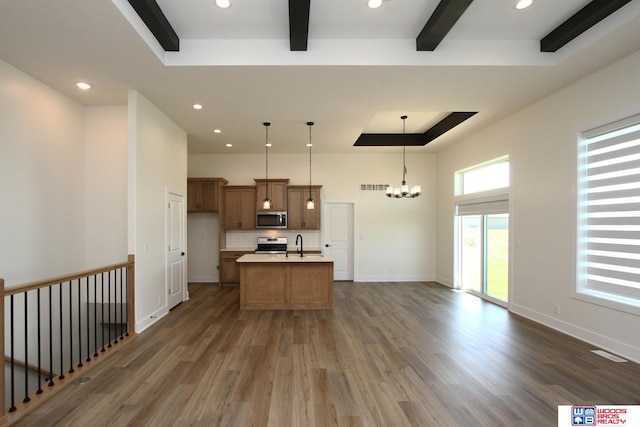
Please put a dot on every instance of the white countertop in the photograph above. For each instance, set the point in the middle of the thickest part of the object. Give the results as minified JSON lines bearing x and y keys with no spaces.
{"x":283,"y":258}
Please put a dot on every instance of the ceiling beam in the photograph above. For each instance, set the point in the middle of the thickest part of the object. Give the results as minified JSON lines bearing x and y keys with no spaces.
{"x":580,"y":22}
{"x":446,"y":124}
{"x":441,"y":21}
{"x":414,"y":139}
{"x":298,"y":24}
{"x":154,"y":19}
{"x":389,"y":140}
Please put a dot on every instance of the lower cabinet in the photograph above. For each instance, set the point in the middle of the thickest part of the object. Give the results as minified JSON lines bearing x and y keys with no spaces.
{"x":229,"y":268}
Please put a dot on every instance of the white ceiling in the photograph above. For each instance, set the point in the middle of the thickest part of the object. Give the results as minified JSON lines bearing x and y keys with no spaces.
{"x":361,"y":71}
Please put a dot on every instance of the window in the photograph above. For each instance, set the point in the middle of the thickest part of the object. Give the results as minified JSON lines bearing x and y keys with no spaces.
{"x":484,"y":177}
{"x":608,"y":255}
{"x":482,"y":230}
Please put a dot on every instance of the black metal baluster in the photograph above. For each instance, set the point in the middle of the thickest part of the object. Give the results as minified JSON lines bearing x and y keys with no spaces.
{"x":51,"y":383}
{"x":102,"y":311}
{"x":126,"y":315}
{"x":71,"y":370}
{"x":39,"y":346}
{"x":61,"y":376}
{"x":95,"y":315}
{"x":115,"y":304}
{"x":12,"y":408}
{"x":26,"y":350}
{"x":80,"y":324}
{"x":109,"y":309}
{"x":122,"y":306}
{"x":88,"y":323}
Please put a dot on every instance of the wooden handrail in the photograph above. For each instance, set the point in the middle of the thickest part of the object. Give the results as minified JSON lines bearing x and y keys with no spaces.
{"x":25,"y":287}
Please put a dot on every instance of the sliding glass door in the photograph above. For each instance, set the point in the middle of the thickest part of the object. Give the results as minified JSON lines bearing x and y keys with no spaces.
{"x":483,"y":258}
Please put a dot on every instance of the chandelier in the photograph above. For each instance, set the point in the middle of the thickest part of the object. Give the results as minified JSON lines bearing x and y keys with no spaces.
{"x":403,"y":190}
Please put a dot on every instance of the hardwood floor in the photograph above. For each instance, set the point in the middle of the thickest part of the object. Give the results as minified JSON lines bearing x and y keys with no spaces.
{"x":389,"y":354}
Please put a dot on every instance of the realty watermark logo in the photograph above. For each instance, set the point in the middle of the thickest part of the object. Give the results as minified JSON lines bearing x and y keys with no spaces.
{"x":583,"y":415}
{"x":598,"y":415}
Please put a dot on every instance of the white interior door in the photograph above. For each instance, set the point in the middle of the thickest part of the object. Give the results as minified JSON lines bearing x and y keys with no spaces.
{"x":176,"y":261}
{"x":338,"y":238}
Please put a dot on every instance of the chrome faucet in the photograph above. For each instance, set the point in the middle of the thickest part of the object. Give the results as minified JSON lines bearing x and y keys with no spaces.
{"x":299,"y":236}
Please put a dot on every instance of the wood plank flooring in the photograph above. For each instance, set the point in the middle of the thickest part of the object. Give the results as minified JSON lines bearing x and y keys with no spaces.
{"x":389,"y":354}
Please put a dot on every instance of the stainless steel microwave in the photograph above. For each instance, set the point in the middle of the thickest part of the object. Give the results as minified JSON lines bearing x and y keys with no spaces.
{"x":271,"y":219}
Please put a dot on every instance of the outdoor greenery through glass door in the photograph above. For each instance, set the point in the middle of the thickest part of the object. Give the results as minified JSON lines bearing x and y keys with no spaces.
{"x":484,"y":254}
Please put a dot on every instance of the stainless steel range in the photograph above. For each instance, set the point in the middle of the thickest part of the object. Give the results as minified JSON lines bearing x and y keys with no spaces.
{"x":271,"y":245}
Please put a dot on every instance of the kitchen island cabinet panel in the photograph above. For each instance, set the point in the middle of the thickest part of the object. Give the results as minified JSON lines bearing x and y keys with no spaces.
{"x":277,"y":282}
{"x":265,"y":286}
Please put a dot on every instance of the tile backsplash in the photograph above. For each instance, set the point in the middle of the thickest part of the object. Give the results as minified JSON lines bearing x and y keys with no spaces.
{"x":248,"y":239}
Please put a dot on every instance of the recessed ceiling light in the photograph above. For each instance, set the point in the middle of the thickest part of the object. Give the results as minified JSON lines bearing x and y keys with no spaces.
{"x":309,"y":145}
{"x":83,"y":85}
{"x":268,"y":144}
{"x":523,"y":4}
{"x":223,"y":4}
{"x":374,"y":4}
{"x":228,"y":145}
{"x":197,"y":106}
{"x":217,"y":131}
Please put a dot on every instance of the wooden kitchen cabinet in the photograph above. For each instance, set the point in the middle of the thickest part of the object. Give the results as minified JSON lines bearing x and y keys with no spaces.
{"x":277,"y":189}
{"x":229,"y":273}
{"x":204,"y":194}
{"x":240,"y":207}
{"x":299,"y":217}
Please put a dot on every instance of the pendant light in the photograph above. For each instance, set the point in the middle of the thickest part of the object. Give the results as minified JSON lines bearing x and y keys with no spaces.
{"x":403,"y":191}
{"x":266,"y":203}
{"x":310,"y":202}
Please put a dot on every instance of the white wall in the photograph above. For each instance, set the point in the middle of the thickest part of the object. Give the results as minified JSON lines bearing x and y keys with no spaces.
{"x":394,"y":239}
{"x":541,"y":141}
{"x":157,"y":163}
{"x":105,"y":185}
{"x":41,"y":180}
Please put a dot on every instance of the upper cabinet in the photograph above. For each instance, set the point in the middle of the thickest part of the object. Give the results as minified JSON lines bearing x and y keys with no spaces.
{"x":277,"y":191}
{"x":240,"y":207}
{"x":204,"y":194}
{"x":299,"y":217}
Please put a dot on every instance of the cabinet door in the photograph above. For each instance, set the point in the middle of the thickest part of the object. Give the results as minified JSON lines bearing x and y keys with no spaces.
{"x":240,"y":208}
{"x":311,"y":217}
{"x":247,"y":210}
{"x":277,"y":193}
{"x":193,"y":196}
{"x":229,"y":270}
{"x":231,"y":208}
{"x":301,"y":218}
{"x":294,"y":218}
{"x":209,"y":196}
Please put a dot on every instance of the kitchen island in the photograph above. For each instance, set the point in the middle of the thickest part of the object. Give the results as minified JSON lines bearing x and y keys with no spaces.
{"x":279,"y":282}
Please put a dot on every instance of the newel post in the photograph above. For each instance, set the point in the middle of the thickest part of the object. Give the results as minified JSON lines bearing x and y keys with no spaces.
{"x":2,"y":347}
{"x":131,"y":294}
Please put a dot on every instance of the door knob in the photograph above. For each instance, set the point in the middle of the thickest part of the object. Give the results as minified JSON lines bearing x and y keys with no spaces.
{"x":182,"y":253}
{"x":327,"y":245}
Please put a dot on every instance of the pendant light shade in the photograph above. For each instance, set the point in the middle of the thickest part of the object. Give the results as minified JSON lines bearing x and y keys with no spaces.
{"x":310,"y":202}
{"x":266,"y":203}
{"x":403,"y":190}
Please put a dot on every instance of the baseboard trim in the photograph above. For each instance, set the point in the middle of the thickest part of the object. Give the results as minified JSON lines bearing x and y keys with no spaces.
{"x":612,"y":346}
{"x":151,"y":319}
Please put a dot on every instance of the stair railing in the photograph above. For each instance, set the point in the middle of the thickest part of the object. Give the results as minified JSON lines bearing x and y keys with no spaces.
{"x":61,"y":325}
